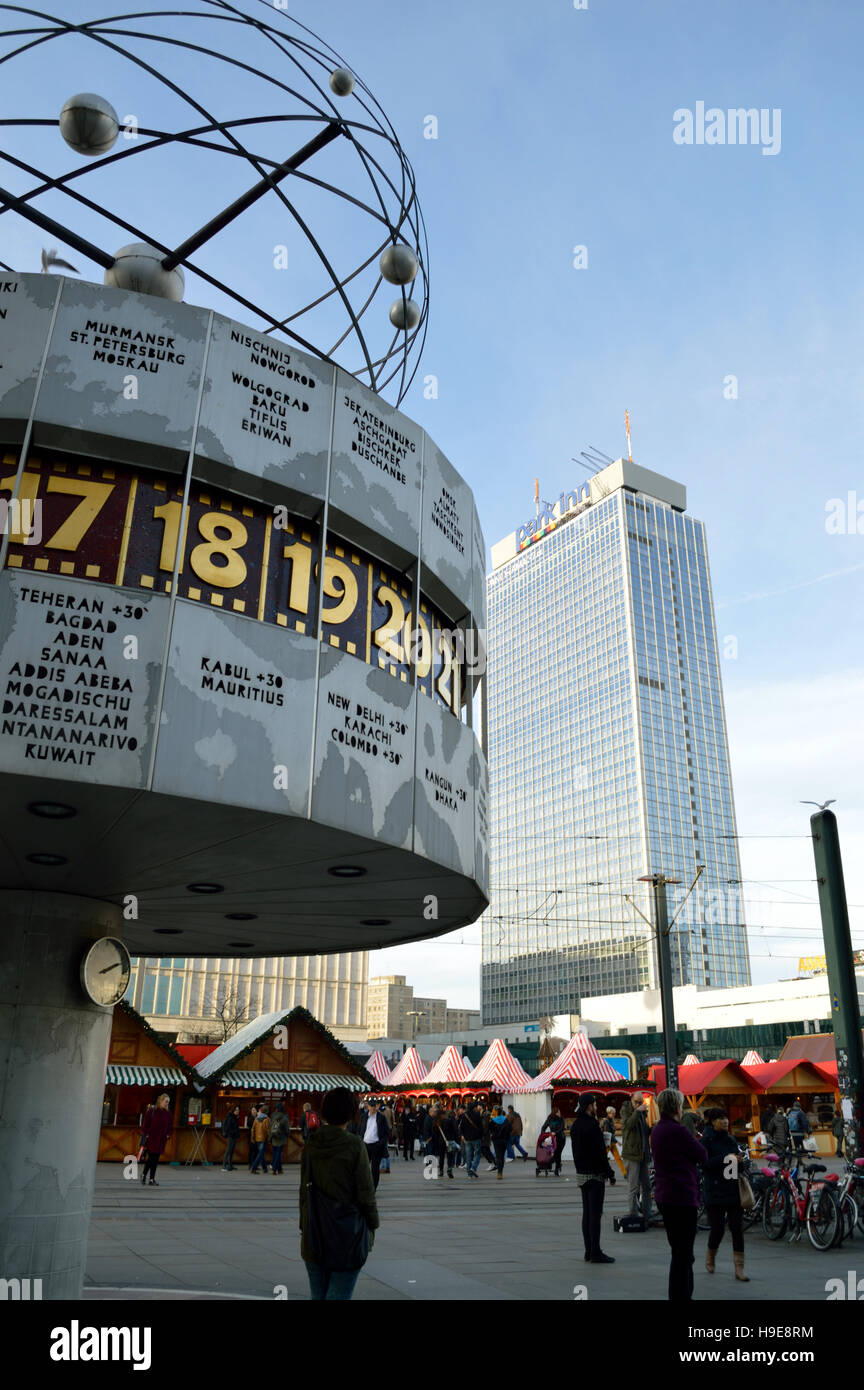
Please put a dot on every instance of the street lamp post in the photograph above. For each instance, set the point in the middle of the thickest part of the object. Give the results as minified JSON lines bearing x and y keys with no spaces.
{"x":414,"y":1014}
{"x":662,"y":927}
{"x":664,"y":964}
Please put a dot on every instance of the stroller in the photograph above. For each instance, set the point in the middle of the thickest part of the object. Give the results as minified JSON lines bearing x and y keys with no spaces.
{"x":545,"y":1155}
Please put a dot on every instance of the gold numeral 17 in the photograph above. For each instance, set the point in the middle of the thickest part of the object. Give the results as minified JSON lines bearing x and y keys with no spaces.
{"x":72,"y":531}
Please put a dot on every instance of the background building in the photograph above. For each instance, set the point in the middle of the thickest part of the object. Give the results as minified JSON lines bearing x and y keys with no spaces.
{"x":394,"y":1011}
{"x":204,"y":999}
{"x":607,"y":741}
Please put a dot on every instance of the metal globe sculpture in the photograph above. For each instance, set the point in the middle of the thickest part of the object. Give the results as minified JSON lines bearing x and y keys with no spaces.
{"x":89,"y":124}
{"x":248,"y":153}
{"x":342,"y":82}
{"x":139,"y":268}
{"x":404,"y":314}
{"x":399,"y":265}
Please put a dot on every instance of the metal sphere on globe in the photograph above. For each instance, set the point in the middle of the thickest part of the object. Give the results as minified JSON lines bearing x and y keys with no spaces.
{"x":139,"y":268}
{"x":404,"y":313}
{"x":399,"y":265}
{"x":342,"y":82}
{"x":89,"y":124}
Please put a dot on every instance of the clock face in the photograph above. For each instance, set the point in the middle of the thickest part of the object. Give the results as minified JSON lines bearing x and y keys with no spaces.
{"x":106,"y":970}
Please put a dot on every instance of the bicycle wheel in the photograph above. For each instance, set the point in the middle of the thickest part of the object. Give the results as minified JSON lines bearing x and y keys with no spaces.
{"x":776,"y":1211}
{"x":754,"y":1215}
{"x":848,"y":1217}
{"x":858,"y":1198}
{"x":823,"y":1218}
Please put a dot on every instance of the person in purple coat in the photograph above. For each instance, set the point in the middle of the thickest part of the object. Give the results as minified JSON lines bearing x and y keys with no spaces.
{"x":154,"y":1136}
{"x":677,"y":1159}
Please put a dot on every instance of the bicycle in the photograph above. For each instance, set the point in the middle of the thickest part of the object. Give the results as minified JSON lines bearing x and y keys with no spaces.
{"x":850,"y":1195}
{"x":814,"y":1207}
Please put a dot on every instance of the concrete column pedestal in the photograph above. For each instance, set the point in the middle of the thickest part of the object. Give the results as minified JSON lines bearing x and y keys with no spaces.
{"x":53,"y":1051}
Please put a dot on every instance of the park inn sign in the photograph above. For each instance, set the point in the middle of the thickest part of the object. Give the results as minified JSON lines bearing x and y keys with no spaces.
{"x":551,"y":513}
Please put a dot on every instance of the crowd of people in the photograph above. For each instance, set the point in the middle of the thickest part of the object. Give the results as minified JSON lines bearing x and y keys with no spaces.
{"x":686,"y":1160}
{"x":451,"y":1138}
{"x":693,"y":1155}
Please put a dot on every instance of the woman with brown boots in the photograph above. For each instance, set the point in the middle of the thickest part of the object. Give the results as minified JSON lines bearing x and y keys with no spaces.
{"x":722,"y":1193}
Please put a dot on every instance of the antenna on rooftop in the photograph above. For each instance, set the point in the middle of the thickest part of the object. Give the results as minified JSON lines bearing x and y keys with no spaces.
{"x":627,"y":427}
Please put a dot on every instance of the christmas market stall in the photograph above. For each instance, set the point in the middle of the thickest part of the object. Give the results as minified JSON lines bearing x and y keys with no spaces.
{"x":716,"y":1083}
{"x":498,"y":1076}
{"x":443,"y":1084}
{"x":781,"y":1083}
{"x":580,"y":1067}
{"x":377,"y":1067}
{"x":140,"y":1068}
{"x":287,"y":1057}
{"x":408,"y":1073}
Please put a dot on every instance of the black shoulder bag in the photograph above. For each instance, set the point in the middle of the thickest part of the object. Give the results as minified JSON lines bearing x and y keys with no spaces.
{"x":336,"y":1231}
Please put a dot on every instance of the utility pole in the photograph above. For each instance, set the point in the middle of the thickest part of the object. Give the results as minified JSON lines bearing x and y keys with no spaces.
{"x":842,"y":985}
{"x":661,"y":927}
{"x":664,"y":964}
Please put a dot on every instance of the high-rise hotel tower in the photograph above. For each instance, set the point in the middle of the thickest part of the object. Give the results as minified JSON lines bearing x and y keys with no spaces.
{"x":607,"y":751}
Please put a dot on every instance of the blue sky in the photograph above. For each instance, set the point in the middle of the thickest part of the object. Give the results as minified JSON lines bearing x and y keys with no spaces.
{"x":555,"y":130}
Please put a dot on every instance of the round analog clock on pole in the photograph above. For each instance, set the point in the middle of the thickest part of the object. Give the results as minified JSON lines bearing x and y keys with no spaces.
{"x":105,"y":971}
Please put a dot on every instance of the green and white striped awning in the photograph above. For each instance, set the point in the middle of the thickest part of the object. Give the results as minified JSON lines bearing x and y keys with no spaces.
{"x":117,"y":1075}
{"x":289,"y":1081}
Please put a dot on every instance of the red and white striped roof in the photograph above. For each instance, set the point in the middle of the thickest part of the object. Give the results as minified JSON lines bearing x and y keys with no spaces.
{"x":378,"y":1067}
{"x":410,"y":1070}
{"x":580,"y":1059}
{"x":691,"y":1060}
{"x":752,"y":1059}
{"x":499,"y":1069}
{"x":450,"y":1069}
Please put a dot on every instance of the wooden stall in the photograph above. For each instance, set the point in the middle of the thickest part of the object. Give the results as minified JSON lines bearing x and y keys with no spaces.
{"x":716,"y":1083}
{"x":286,"y":1056}
{"x":140,"y":1067}
{"x":783,"y":1082}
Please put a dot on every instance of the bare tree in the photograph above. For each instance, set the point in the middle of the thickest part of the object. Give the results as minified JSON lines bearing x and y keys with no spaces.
{"x":230,"y":1015}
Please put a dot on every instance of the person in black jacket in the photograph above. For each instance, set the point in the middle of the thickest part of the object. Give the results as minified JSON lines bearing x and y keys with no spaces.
{"x":470,"y":1126}
{"x":409,"y":1130}
{"x":376,"y":1133}
{"x":722,"y":1196}
{"x":230,"y":1130}
{"x":593,"y":1171}
{"x":554,"y":1122}
{"x":424,"y":1128}
{"x":500,"y":1130}
{"x":443,"y":1138}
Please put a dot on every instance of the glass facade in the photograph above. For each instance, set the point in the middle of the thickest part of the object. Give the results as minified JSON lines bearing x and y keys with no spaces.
{"x":608,"y":760}
{"x":187,"y":994}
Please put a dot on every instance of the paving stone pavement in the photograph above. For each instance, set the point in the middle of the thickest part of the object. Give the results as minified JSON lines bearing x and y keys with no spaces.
{"x":205,"y":1234}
